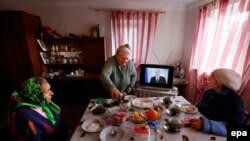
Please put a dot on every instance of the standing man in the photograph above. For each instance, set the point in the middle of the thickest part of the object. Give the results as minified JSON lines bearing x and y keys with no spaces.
{"x":118,"y":73}
{"x":158,"y":79}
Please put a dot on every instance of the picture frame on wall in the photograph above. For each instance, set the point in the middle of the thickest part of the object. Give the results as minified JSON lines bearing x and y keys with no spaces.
{"x":42,"y":44}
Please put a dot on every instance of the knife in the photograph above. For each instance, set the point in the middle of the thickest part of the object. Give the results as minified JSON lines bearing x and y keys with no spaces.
{"x":185,"y":138}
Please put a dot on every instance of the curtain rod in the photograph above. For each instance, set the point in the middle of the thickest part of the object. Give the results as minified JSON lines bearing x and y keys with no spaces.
{"x":134,"y":10}
{"x":211,"y":2}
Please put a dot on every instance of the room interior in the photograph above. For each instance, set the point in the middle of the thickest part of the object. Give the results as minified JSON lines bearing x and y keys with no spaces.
{"x":173,"y":42}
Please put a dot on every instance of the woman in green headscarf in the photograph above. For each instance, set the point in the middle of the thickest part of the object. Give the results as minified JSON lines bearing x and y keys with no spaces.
{"x":33,"y":115}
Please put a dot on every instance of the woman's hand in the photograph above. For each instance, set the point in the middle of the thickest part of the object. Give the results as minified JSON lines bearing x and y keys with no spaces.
{"x":196,"y":123}
{"x":116,"y":94}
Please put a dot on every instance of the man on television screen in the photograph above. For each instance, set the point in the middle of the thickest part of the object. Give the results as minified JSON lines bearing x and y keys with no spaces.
{"x":158,"y":79}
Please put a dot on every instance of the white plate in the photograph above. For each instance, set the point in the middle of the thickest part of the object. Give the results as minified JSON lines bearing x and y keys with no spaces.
{"x":130,"y":97}
{"x":142,"y":103}
{"x":189,"y":108}
{"x":105,"y":134}
{"x":93,"y":125}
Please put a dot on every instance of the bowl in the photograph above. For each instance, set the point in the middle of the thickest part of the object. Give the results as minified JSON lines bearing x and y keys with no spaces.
{"x":138,"y":117}
{"x":98,"y":109}
{"x":173,"y":111}
{"x":173,"y":126}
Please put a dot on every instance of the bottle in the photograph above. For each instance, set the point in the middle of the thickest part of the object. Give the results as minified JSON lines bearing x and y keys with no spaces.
{"x":182,"y":73}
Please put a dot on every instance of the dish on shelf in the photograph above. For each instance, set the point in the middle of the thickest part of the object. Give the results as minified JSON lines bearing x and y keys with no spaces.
{"x":93,"y":125}
{"x":142,"y":103}
{"x":189,"y":108}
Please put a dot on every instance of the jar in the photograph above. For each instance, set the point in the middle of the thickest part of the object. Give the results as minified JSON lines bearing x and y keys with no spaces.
{"x":75,"y":60}
{"x":70,"y":60}
{"x":64,"y":60}
{"x":52,"y":59}
{"x":66,"y":48}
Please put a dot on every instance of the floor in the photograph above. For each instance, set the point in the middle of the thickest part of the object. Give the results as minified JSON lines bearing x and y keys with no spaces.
{"x":71,"y":115}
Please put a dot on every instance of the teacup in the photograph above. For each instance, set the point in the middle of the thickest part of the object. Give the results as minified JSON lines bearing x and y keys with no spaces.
{"x":173,"y":125}
{"x":167,"y":101}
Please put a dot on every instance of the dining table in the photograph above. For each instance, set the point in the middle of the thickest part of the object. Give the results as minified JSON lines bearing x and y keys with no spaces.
{"x":127,"y":125}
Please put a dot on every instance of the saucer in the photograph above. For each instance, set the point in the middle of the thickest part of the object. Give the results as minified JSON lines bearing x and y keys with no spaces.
{"x":93,"y":125}
{"x":105,"y":134}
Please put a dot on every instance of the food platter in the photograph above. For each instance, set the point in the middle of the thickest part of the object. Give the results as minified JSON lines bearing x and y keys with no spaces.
{"x":105,"y":134}
{"x":189,"y":108}
{"x":93,"y":125}
{"x":138,"y":117}
{"x":142,"y":103}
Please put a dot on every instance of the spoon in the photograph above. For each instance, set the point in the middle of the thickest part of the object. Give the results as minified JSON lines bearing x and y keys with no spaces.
{"x":113,"y":133}
{"x":156,"y":132}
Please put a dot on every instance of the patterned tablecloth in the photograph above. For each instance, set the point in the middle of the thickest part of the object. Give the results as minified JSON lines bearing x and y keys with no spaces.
{"x":127,"y":125}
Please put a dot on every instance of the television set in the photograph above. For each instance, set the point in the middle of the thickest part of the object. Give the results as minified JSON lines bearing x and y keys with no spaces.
{"x":156,"y":76}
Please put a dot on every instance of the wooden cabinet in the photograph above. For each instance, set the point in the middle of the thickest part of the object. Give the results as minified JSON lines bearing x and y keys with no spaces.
{"x":71,"y":87}
{"x":68,"y":55}
{"x":19,"y":55}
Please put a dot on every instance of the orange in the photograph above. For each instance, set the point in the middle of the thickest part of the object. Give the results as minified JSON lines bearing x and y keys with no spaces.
{"x":152,"y":114}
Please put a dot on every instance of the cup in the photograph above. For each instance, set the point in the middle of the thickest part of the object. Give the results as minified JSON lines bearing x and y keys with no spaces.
{"x":64,"y":60}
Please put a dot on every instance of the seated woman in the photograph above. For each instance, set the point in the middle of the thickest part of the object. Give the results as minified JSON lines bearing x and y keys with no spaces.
{"x":34,"y":117}
{"x":220,"y":105}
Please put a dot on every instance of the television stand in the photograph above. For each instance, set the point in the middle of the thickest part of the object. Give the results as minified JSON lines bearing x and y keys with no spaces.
{"x":146,"y":92}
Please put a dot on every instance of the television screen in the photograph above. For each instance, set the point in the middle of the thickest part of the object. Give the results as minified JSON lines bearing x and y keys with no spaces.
{"x":156,"y":76}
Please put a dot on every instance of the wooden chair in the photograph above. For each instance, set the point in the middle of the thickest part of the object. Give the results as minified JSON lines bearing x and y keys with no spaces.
{"x":246,"y":117}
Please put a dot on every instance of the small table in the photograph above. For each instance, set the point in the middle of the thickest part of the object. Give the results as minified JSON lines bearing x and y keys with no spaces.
{"x":127,"y":126}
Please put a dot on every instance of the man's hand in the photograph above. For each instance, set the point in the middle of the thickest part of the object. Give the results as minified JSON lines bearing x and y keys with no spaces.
{"x":196,"y":123}
{"x":116,"y":94}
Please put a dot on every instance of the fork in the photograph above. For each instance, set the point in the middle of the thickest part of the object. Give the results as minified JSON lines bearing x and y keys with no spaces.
{"x":162,"y":136}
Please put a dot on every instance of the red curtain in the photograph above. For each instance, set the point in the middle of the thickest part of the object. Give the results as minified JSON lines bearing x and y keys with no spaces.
{"x":135,"y":28}
{"x":221,"y":41}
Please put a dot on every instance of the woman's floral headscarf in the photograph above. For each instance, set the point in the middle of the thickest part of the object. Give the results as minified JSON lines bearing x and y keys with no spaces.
{"x":30,"y":95}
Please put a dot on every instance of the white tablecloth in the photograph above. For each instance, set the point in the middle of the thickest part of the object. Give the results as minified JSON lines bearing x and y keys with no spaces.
{"x":192,"y":134}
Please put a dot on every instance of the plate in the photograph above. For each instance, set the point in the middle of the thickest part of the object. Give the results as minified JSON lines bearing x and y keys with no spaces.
{"x":142,"y":103}
{"x":189,"y":108}
{"x":138,"y":117}
{"x":130,"y":97}
{"x":93,"y":125}
{"x":105,"y":134}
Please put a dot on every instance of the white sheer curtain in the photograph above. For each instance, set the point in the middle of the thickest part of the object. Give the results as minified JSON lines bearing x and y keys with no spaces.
{"x":221,"y":41}
{"x":135,"y":28}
